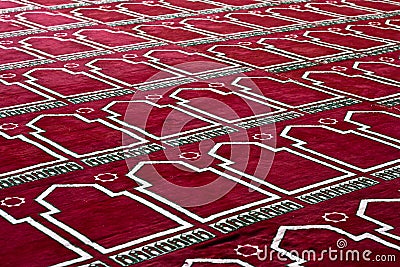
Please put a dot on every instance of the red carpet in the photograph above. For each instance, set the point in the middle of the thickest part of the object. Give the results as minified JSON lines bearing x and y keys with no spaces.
{"x":199,"y":133}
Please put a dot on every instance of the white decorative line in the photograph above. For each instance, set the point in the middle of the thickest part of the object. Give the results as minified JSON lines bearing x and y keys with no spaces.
{"x":263,"y":136}
{"x":8,"y":75}
{"x":190,"y":155}
{"x":6,"y":201}
{"x":8,"y":126}
{"x":153,"y":97}
{"x":339,"y":68}
{"x":327,"y":215}
{"x":328,"y":121}
{"x":106,"y":177}
{"x":85,"y":110}
{"x":71,"y":65}
{"x":255,"y":253}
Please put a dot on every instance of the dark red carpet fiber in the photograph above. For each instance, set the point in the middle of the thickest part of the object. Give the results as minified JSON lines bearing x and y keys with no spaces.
{"x":199,"y":133}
